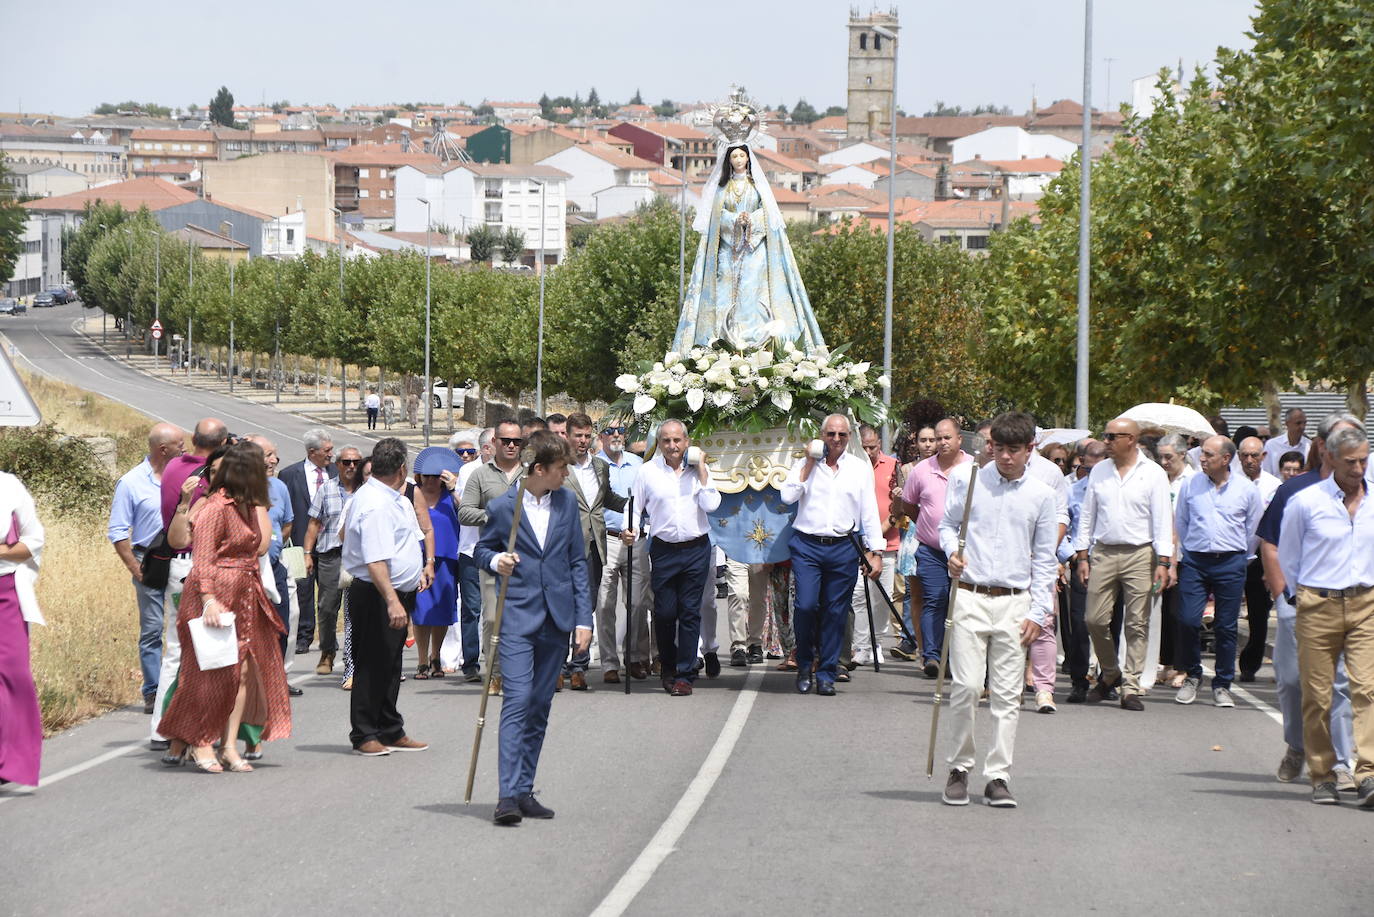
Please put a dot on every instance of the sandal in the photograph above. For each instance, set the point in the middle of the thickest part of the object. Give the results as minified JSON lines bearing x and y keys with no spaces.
{"x":176,"y":760}
{"x":238,"y":765}
{"x":435,"y":669}
{"x":422,"y":673}
{"x":252,"y":753}
{"x":207,"y":765}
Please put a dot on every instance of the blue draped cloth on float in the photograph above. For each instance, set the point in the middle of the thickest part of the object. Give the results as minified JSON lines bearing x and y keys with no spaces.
{"x":745,"y":288}
{"x":752,"y":527}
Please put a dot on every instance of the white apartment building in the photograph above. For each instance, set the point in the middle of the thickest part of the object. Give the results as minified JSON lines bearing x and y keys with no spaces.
{"x":603,"y":181}
{"x":464,"y":195}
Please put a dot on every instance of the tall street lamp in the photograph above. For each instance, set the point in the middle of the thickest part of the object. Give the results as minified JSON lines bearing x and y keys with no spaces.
{"x":1084,"y":229}
{"x":539,"y":351}
{"x":891,"y":236}
{"x":429,"y":384}
{"x":343,"y":402}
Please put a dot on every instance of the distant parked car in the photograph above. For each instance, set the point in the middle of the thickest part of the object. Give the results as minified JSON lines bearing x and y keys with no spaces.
{"x":7,"y":306}
{"x":44,"y":300}
{"x":62,"y":296}
{"x":441,"y":393}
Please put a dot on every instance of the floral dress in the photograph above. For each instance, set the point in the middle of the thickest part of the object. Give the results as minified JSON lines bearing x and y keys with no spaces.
{"x":224,"y":557}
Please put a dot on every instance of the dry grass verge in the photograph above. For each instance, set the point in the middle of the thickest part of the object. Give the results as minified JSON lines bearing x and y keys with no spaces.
{"x":85,"y":661}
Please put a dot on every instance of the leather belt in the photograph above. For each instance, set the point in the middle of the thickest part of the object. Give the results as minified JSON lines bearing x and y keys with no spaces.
{"x":1349,"y":592}
{"x":824,"y":539}
{"x":614,"y":533}
{"x":681,"y":545}
{"x":994,"y":591}
{"x":330,"y":553}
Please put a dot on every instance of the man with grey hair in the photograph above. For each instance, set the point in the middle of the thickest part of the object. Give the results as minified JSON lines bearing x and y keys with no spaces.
{"x":1326,"y":553}
{"x":319,"y":536}
{"x":675,"y":497}
{"x":1290,"y":440}
{"x":303,"y":480}
{"x":1285,"y":616}
{"x":1215,"y":519}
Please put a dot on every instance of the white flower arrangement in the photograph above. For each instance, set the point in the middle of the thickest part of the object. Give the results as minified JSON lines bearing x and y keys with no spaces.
{"x":719,"y":388}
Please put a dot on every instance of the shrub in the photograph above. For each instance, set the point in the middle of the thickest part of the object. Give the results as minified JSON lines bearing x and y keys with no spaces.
{"x":60,"y":471}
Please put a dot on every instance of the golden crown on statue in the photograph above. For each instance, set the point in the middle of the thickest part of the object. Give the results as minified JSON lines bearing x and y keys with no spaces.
{"x":737,"y":119}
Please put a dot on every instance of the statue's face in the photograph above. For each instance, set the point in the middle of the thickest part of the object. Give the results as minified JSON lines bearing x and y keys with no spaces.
{"x":739,"y":160}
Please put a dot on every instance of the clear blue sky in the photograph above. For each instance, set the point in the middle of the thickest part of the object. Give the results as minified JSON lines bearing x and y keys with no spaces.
{"x":349,"y":52}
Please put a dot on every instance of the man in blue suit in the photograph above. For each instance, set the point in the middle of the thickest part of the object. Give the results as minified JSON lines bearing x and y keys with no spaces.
{"x":546,"y":599}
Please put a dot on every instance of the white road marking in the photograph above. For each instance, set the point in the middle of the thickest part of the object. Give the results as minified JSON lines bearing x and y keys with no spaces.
{"x":664,"y":841}
{"x":50,"y":779}
{"x":1249,"y":698}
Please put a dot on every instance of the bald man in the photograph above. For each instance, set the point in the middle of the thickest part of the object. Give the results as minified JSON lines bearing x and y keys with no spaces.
{"x":135,"y":524}
{"x":1257,"y":599}
{"x":1124,"y":545}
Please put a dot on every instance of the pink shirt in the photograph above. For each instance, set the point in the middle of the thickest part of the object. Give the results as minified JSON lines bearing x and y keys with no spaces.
{"x":882,"y":485}
{"x":925,"y":489}
{"x":173,"y":476}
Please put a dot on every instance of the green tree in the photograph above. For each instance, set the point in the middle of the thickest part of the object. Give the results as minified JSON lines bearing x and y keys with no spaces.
{"x":12,"y":218}
{"x":222,"y":107}
{"x":666,"y":109}
{"x":804,"y":113}
{"x":512,"y":245}
{"x":482,"y":242}
{"x":637,"y":99}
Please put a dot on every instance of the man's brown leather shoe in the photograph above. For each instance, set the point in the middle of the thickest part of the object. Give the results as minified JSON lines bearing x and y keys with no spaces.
{"x":789,"y":664}
{"x":559,"y":685}
{"x":612,"y":677}
{"x":326,"y":664}
{"x":1102,"y":690}
{"x":639,"y":671}
{"x":406,"y":743}
{"x":1131,"y":702}
{"x":494,"y":688}
{"x":579,"y":681}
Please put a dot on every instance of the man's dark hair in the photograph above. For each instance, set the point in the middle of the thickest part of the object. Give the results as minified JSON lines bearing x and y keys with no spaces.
{"x":867,"y":428}
{"x":1219,"y":424}
{"x":983,"y":427}
{"x":534,"y":423}
{"x":556,"y":417}
{"x":503,"y":422}
{"x":1292,"y":455}
{"x":242,"y":475}
{"x":388,"y":457}
{"x":1245,"y":431}
{"x":1013,"y":428}
{"x":545,"y":448}
{"x":580,"y":421}
{"x":209,"y":434}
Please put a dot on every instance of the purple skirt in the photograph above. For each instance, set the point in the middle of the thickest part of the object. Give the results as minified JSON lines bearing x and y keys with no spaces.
{"x":21,"y":724}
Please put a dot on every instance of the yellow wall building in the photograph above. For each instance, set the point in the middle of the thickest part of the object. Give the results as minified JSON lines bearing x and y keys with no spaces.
{"x":277,"y":184}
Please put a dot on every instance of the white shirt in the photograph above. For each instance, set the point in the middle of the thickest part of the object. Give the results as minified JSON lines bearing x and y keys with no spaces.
{"x":1275,"y":448}
{"x":676,"y":503}
{"x":1320,"y":545}
{"x":467,"y":534}
{"x":1267,"y":484}
{"x":16,"y":504}
{"x":586,"y":477}
{"x":1012,"y":530}
{"x":380,"y":525}
{"x":836,"y":501}
{"x":537,"y":512}
{"x":1042,"y":469}
{"x":372,"y":401}
{"x":313,"y":480}
{"x":1131,"y":510}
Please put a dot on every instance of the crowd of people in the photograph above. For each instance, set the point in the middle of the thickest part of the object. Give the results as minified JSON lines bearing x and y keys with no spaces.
{"x":1117,"y":561}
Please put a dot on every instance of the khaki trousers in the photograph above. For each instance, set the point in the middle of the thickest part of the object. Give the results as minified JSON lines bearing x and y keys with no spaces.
{"x":1326,"y":626}
{"x":746,"y":598}
{"x":1127,"y":569}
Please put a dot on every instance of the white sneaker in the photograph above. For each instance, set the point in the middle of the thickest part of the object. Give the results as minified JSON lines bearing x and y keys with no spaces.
{"x":1221,"y":697}
{"x":1044,"y":702}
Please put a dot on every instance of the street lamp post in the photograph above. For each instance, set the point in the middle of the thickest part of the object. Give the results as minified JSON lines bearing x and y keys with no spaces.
{"x":157,"y":287}
{"x":1084,"y":228}
{"x":429,"y":384}
{"x":891,"y":236}
{"x":539,"y":351}
{"x":231,"y":328}
{"x":190,"y":306}
{"x":343,"y":402}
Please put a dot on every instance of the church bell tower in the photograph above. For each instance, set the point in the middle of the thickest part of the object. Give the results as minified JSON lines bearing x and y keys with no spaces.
{"x":872,"y":63}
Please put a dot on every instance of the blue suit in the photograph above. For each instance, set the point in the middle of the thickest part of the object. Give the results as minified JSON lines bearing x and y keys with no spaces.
{"x":546,"y":598}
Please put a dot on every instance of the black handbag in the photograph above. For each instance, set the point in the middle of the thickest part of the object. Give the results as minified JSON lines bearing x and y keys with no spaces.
{"x":157,"y":563}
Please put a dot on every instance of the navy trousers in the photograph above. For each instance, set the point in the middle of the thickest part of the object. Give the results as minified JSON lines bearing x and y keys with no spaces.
{"x":677,"y":574}
{"x":824,"y":576}
{"x":529,"y":671}
{"x":1223,"y":575}
{"x":932,"y":569}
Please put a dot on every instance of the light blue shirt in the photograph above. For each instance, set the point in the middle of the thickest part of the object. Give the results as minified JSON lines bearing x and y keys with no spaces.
{"x":1077,"y":490}
{"x":380,"y":526}
{"x":1320,"y":545}
{"x":136,"y":513}
{"x":622,"y":478}
{"x":1218,"y":519}
{"x":280,"y":514}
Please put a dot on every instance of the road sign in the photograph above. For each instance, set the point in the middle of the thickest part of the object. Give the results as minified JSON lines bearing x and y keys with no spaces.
{"x":157,"y":334}
{"x":157,"y":325}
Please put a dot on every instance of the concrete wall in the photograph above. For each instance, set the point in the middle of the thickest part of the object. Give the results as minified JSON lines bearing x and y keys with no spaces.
{"x":276,"y":184}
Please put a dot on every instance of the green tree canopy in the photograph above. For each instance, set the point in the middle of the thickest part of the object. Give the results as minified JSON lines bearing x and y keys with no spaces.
{"x":222,"y":107}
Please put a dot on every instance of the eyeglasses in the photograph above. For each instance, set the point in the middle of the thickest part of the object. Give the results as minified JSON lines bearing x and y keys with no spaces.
{"x":834,"y":433}
{"x":467,"y":451}
{"x":511,"y":440}
{"x":1109,"y":437}
{"x":613,"y":430}
{"x":350,"y":461}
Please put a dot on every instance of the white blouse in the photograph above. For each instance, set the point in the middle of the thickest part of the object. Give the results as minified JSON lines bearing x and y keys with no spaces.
{"x":16,"y":503}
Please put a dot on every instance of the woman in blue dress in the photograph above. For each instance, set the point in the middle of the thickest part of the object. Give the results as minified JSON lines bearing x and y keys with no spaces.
{"x":436,"y":608}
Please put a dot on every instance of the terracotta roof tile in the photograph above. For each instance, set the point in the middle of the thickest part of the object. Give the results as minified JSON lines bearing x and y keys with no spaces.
{"x":153,"y":193}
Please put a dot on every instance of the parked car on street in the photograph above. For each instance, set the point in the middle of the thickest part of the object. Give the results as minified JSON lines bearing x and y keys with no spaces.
{"x":8,"y":306}
{"x":44,"y":300}
{"x":62,"y":295}
{"x":441,"y":393}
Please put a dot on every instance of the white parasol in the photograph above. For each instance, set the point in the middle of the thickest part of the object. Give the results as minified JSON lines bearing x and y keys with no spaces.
{"x":1063,"y":436}
{"x":1171,"y":418}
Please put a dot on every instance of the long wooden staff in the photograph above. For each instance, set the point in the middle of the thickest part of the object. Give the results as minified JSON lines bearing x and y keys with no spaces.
{"x":949,"y":625}
{"x":629,"y":594}
{"x":495,"y":641}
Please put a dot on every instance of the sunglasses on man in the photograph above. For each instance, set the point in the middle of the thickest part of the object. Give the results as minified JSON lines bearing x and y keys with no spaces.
{"x":511,"y":440}
{"x":1111,"y":437}
{"x":610,"y":431}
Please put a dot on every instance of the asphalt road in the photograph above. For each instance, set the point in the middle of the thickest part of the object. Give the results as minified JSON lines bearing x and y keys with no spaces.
{"x":744,"y":798}
{"x":46,"y":342}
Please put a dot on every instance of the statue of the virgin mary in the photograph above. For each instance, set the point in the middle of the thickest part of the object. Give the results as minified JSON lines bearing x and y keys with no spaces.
{"x":745,"y":287}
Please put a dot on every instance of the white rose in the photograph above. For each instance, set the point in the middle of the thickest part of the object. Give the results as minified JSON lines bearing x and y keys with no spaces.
{"x":761,"y":382}
{"x":672,"y":357}
{"x":675,"y":388}
{"x":644,"y":404}
{"x":695,"y":398}
{"x":695,"y":353}
{"x":678,"y":369}
{"x":659,"y":377}
{"x":860,"y":383}
{"x":884,"y":381}
{"x":761,"y":358}
{"x":703,"y":363}
{"x":627,"y":382}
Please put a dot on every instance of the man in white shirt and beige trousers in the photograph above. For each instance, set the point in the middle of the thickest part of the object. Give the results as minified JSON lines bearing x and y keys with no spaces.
{"x":1004,"y":578}
{"x":1127,"y":522}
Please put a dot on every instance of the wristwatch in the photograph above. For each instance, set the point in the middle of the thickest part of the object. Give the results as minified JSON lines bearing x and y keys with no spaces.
{"x":1165,"y":563}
